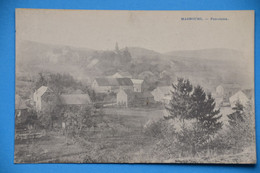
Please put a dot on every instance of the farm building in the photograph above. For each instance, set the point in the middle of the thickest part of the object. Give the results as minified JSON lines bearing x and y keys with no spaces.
{"x":143,"y":99}
{"x":227,"y":90}
{"x":43,"y":97}
{"x":104,"y":85}
{"x":137,"y":84}
{"x":107,"y":85}
{"x":243,"y":96}
{"x":128,"y":98}
{"x":124,"y":97}
{"x":161,"y":94}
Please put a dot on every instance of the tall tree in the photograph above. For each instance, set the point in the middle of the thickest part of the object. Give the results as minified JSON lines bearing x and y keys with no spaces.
{"x":204,"y":111}
{"x":180,"y":105}
{"x":197,"y":111}
{"x":241,"y":126}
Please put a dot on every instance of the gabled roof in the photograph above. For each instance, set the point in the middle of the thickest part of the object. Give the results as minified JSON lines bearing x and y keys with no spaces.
{"x":107,"y":81}
{"x":124,"y":81}
{"x":129,"y":92}
{"x":75,"y":99}
{"x":137,"y":81}
{"x":40,"y":91}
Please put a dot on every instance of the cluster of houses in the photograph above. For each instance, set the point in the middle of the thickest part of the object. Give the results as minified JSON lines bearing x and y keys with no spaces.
{"x":227,"y":95}
{"x":44,"y":97}
{"x":128,"y":92}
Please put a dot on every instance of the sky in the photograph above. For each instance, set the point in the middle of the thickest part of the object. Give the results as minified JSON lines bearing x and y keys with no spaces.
{"x":161,"y":31}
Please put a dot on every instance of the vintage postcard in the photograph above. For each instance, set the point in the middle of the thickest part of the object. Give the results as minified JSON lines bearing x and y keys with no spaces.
{"x":95,"y":86}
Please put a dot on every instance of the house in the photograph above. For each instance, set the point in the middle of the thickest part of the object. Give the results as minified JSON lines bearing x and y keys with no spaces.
{"x":75,"y":99}
{"x":124,"y":97}
{"x":128,"y":98}
{"x":137,"y":84}
{"x":104,"y":85}
{"x":143,"y":99}
{"x":227,"y":90}
{"x":162,"y":93}
{"x":243,"y":96}
{"x":122,"y":74}
{"x":42,"y":97}
{"x":107,"y":85}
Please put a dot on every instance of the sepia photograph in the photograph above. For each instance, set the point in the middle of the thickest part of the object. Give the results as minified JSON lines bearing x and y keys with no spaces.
{"x":115,"y":86}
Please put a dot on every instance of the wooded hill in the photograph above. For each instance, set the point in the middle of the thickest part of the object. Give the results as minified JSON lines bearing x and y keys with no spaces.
{"x":208,"y":67}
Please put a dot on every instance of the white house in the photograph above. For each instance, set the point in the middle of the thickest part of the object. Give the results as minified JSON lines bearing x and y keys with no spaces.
{"x":243,"y":96}
{"x":107,"y":85}
{"x":124,"y":97}
{"x":104,"y":85}
{"x":137,"y":83}
{"x":162,"y":94}
{"x":38,"y":94}
{"x":227,"y":90}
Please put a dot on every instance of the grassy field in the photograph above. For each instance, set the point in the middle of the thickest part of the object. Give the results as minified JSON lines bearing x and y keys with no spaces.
{"x":119,"y":139}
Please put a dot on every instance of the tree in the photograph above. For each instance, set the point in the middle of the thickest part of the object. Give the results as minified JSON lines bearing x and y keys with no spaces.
{"x":203,"y":110}
{"x":180,"y":105}
{"x":196,"y":110}
{"x":237,"y":117}
{"x":241,"y":126}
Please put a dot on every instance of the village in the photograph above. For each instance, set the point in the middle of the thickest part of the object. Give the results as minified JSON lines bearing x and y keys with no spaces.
{"x":119,"y":91}
{"x":118,"y":110}
{"x":114,"y":109}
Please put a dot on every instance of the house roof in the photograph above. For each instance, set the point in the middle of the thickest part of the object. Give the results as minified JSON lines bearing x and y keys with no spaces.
{"x":75,"y":99}
{"x":137,"y":81}
{"x":107,"y":81}
{"x":40,"y":91}
{"x":124,"y":81}
{"x":129,"y":92}
{"x":19,"y":103}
